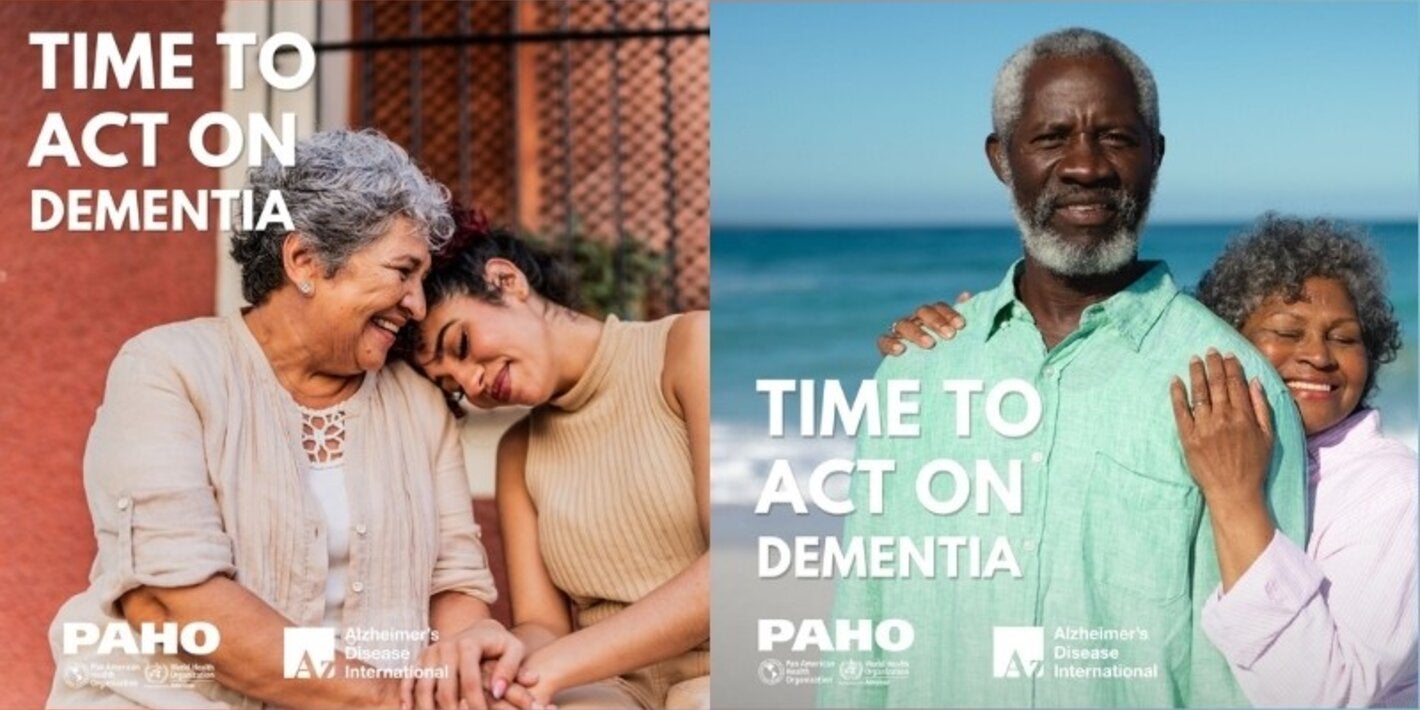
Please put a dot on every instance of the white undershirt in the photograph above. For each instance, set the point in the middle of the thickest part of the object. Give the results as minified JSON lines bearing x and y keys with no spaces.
{"x":323,"y":438}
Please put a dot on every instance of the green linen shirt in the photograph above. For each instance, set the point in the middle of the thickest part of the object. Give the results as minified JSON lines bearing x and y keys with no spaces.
{"x":1113,"y":540}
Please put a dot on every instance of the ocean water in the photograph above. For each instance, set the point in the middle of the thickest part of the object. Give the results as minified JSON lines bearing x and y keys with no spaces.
{"x":810,"y":303}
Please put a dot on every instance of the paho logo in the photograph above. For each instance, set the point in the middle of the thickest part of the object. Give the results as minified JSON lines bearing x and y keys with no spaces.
{"x":197,"y":639}
{"x":1017,"y":651}
{"x":308,"y":652}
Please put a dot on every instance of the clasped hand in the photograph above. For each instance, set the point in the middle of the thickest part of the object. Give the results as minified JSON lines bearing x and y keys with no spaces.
{"x":480,"y":668}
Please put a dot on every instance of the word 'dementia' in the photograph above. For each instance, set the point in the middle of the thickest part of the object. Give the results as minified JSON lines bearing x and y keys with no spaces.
{"x":886,"y":557}
{"x":864,"y":635}
{"x":196,"y":639}
{"x":154,"y":210}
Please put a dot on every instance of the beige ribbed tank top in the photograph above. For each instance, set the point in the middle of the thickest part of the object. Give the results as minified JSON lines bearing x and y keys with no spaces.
{"x":609,"y":471}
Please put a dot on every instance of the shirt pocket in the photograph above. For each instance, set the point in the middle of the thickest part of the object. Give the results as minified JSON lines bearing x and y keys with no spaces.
{"x":1138,"y":531}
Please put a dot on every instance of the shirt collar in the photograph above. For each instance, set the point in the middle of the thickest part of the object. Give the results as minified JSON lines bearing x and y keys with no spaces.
{"x":1133,"y":311}
{"x":1343,"y":440}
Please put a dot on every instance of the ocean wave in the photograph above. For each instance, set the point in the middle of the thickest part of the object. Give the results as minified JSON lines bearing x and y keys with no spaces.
{"x":759,"y":284}
{"x":742,"y":456}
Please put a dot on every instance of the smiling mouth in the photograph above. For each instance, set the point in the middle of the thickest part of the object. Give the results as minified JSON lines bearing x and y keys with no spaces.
{"x":1303,"y":386}
{"x":1089,"y":214}
{"x":387,"y":325}
{"x":502,"y":389}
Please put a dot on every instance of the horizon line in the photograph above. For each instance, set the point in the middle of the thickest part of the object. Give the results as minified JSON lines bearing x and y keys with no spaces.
{"x":860,"y":224}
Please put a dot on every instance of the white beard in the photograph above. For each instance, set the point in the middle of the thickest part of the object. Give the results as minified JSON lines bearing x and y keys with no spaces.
{"x":1067,"y":258}
{"x":1061,"y":256}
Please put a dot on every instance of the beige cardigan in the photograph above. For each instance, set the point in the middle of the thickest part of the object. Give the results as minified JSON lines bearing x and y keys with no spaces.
{"x":193,"y":469}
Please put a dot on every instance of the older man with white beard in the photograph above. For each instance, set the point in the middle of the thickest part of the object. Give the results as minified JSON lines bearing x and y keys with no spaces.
{"x":1112,"y":550}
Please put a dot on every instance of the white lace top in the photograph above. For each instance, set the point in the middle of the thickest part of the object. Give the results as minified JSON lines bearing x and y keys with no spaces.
{"x":323,"y":439}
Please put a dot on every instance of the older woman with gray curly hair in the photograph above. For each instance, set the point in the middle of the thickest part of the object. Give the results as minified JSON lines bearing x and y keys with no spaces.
{"x":263,"y":471}
{"x":1334,"y":624}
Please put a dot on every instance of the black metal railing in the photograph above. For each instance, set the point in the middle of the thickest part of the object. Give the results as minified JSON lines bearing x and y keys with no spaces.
{"x":366,"y":45}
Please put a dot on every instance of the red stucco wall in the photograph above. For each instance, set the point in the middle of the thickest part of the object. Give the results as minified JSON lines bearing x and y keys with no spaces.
{"x":68,"y":300}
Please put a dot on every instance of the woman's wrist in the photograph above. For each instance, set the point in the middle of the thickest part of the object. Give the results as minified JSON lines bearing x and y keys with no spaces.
{"x":1242,"y":529}
{"x":1234,"y":503}
{"x":552,"y":671}
{"x":533,"y":636}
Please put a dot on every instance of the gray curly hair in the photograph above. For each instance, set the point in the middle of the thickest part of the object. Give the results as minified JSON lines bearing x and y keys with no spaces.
{"x":1008,"y":95}
{"x":342,"y":192}
{"x":1276,"y":257}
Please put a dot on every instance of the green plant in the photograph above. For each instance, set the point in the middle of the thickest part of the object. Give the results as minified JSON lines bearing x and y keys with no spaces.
{"x":612,"y":275}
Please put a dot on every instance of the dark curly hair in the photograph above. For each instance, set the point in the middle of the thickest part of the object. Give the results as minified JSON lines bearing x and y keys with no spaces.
{"x":1276,"y":257}
{"x":458,"y":266}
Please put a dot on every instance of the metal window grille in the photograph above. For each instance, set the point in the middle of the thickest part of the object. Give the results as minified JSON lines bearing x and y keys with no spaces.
{"x":556,"y":117}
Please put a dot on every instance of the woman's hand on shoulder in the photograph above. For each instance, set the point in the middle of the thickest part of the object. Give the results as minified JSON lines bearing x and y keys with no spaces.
{"x":1225,"y":430}
{"x":917,"y":326}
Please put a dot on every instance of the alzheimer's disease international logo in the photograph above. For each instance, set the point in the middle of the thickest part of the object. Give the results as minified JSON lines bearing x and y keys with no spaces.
{"x":308,"y":652}
{"x":1017,"y":651}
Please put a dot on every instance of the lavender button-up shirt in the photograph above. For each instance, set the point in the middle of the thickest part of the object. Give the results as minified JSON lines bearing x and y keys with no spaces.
{"x":1334,"y":626}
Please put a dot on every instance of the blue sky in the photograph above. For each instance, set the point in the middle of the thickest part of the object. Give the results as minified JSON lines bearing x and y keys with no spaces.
{"x":846,"y":113}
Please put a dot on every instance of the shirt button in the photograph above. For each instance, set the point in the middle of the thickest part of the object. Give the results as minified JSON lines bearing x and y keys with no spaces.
{"x":357,"y":587}
{"x":1049,"y":372}
{"x":124,"y":502}
{"x":360,"y":529}
{"x":1037,"y":457}
{"x":1029,"y":546}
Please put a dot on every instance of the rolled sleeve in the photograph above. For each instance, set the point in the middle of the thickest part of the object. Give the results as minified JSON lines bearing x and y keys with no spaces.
{"x":1245,"y":622}
{"x":155,"y":512}
{"x":462,"y":564}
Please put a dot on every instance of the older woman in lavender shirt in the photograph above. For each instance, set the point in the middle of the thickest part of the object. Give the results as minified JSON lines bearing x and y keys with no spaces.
{"x":1334,"y":624}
